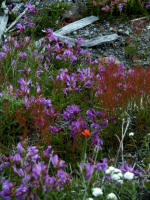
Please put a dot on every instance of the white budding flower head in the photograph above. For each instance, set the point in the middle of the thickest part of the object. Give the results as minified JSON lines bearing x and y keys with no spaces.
{"x":115,"y":177}
{"x":117,"y":171}
{"x":120,"y":181}
{"x":109,"y":170}
{"x":97,"y":192}
{"x":131,"y":134}
{"x":128,"y":176}
{"x":90,"y":198}
{"x":112,"y":196}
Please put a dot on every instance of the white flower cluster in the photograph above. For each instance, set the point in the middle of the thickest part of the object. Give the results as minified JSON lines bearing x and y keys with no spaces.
{"x":117,"y":175}
{"x":112,"y":196}
{"x":98,"y":192}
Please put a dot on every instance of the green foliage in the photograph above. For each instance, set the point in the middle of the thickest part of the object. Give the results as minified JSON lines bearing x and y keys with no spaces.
{"x":131,"y":50}
{"x":9,"y":128}
{"x":48,"y":17}
{"x":131,"y":9}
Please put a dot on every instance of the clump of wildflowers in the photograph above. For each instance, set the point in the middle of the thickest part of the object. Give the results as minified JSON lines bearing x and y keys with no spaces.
{"x":31,"y":172}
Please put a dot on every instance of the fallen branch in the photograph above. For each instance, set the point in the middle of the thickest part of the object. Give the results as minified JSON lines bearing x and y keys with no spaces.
{"x":3,"y":19}
{"x":17,"y":19}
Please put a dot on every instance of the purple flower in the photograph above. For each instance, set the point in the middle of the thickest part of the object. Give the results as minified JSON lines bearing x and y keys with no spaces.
{"x":102,"y":165}
{"x":31,"y":24}
{"x":53,"y":129}
{"x":147,"y":4}
{"x":31,"y":8}
{"x":38,"y":170}
{"x":21,"y":191}
{"x":47,"y":152}
{"x":121,"y":6}
{"x":14,"y":62}
{"x":32,"y":151}
{"x":124,"y":168}
{"x":10,"y":7}
{"x":27,"y":39}
{"x":78,"y":126}
{"x":106,"y":8}
{"x":79,"y":41}
{"x":71,"y":112}
{"x":95,"y":126}
{"x":6,"y":189}
{"x":21,"y":27}
{"x":91,"y":113}
{"x":2,"y":55}
{"x":22,"y":55}
{"x":24,"y":85}
{"x":96,"y":141}
{"x":89,"y":170}
{"x":63,"y":178}
{"x":55,"y":160}
{"x":17,"y":158}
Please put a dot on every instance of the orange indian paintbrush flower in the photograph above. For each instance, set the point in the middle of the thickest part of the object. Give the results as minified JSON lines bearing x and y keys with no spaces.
{"x":86,"y":132}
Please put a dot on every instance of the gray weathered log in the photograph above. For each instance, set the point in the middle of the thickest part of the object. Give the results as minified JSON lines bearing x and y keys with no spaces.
{"x":17,"y":7}
{"x":3,"y":19}
{"x":91,"y":42}
{"x":99,"y":40}
{"x":141,"y":18}
{"x":17,"y":19}
{"x":76,"y":25}
{"x":3,"y":24}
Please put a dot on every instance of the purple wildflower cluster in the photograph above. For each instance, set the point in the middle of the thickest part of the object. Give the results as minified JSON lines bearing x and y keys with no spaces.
{"x":128,"y":168}
{"x":89,"y":168}
{"x":109,"y":4}
{"x":76,"y":81}
{"x":63,"y":51}
{"x":97,"y":124}
{"x":76,"y":122}
{"x":31,"y":173}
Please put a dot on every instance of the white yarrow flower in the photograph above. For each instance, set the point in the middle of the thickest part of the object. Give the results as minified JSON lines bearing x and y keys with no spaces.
{"x":97,"y":192}
{"x":131,"y":134}
{"x":120,"y":181}
{"x":109,"y":170}
{"x":115,"y":177}
{"x":112,"y":196}
{"x":90,"y":198}
{"x":128,"y":176}
{"x":117,"y":171}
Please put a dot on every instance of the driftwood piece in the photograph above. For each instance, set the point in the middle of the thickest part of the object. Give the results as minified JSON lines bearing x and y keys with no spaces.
{"x":99,"y":40}
{"x":76,"y":25}
{"x":3,"y":24}
{"x":91,"y":42}
{"x":17,"y":19}
{"x":3,"y":19}
{"x":141,"y":18}
{"x":17,"y":7}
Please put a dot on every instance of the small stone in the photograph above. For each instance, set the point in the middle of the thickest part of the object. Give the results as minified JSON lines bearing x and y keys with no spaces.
{"x":148,"y":27}
{"x":37,"y":3}
{"x":75,"y":32}
{"x":127,"y":32}
{"x":120,"y":30}
{"x":114,"y":30}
